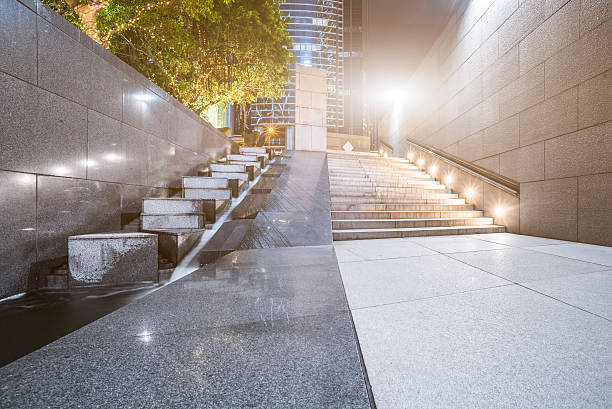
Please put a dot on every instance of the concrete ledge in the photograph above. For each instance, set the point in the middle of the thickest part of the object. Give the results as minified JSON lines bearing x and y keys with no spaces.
{"x":112,"y":258}
{"x":174,"y":244}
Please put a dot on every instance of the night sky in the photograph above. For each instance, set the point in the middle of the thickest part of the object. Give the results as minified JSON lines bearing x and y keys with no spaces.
{"x":400,"y":34}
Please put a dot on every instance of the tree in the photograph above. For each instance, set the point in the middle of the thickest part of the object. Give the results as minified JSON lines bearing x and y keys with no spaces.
{"x":202,"y":52}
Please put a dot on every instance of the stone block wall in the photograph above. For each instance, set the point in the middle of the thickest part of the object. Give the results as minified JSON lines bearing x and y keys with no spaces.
{"x":310,"y":109}
{"x":524,"y":88}
{"x":83,"y":138}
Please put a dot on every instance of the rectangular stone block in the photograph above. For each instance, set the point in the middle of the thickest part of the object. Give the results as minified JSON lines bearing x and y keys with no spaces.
{"x":580,"y":153}
{"x":172,"y":221}
{"x":203,"y":182}
{"x":220,"y":167}
{"x":501,"y":73}
{"x":524,"y":164}
{"x":595,"y":100}
{"x":253,"y":149}
{"x":163,"y":166}
{"x":551,"y":36}
{"x":254,"y":164}
{"x":522,"y":93}
{"x":501,"y":137}
{"x":555,"y":116}
{"x":218,"y":194}
{"x":593,"y":13}
{"x":589,"y":56}
{"x":171,"y":206}
{"x":18,"y":41}
{"x":491,"y":163}
{"x":549,"y":208}
{"x":112,"y":258}
{"x":243,"y":158}
{"x":493,"y":18}
{"x":41,"y":132}
{"x":595,"y":209}
{"x":144,"y":109}
{"x":175,"y":244}
{"x":231,"y":175}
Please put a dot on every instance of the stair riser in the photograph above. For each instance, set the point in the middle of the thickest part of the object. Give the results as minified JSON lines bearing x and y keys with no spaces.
{"x":389,"y":234}
{"x":217,"y":194}
{"x":392,"y":224}
{"x":218,"y":167}
{"x":232,"y":175}
{"x":403,"y":200}
{"x":341,"y":195}
{"x":399,"y":207}
{"x":193,"y":182}
{"x":390,"y":191}
{"x":338,"y":215}
{"x":173,"y":222}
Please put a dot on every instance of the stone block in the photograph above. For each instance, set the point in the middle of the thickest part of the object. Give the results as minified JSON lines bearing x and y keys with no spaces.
{"x":589,"y":56}
{"x":41,"y":132}
{"x":522,"y":93}
{"x":494,"y":17}
{"x":501,"y":137}
{"x":549,"y":208}
{"x":171,"y":206}
{"x":221,"y":167}
{"x":204,"y":182}
{"x":217,"y":194}
{"x":242,"y":158}
{"x":18,"y":41}
{"x":595,"y":100}
{"x":172,"y":221}
{"x":501,"y":73}
{"x":144,"y":109}
{"x":553,"y":117}
{"x":243,"y":176}
{"x":551,"y":36}
{"x":175,"y":244}
{"x":595,"y":209}
{"x":490,"y":163}
{"x":580,"y":153}
{"x":525,"y":164}
{"x":593,"y":13}
{"x":112,"y":258}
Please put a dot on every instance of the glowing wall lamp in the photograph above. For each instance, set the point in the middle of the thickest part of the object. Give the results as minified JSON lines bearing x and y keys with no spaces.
{"x":410,"y":156}
{"x":499,"y":211}
{"x":420,"y":162}
{"x":469,"y":193}
{"x":432,"y":170}
{"x":448,"y":180}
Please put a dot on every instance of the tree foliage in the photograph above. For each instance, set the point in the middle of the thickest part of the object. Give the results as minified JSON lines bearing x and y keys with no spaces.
{"x":202,"y":52}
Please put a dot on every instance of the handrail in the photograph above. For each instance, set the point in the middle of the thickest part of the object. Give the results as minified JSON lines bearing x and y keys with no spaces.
{"x":488,"y":176}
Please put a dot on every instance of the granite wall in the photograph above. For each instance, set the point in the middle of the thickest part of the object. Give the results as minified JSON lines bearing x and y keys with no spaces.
{"x":523,"y":87}
{"x":83,"y":138}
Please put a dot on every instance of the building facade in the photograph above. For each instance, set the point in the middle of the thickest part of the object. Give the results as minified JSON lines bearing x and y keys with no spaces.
{"x":317,"y":30}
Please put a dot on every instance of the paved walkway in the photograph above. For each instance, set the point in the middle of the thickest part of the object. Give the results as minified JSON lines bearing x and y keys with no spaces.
{"x":482,"y":321}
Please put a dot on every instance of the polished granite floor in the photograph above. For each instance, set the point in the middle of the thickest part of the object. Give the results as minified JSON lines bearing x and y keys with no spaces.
{"x":482,"y":321}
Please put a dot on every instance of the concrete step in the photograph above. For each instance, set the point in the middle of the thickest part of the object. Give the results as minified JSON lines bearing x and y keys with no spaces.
{"x":401,"y":200}
{"x":400,"y":207}
{"x":382,"y":195}
{"x":242,"y":157}
{"x":410,"y":223}
{"x":171,"y":206}
{"x":217,"y":194}
{"x":255,"y":164}
{"x":360,"y":234}
{"x":172,"y":221}
{"x":225,"y":167}
{"x":231,"y":175}
{"x":204,"y":182}
{"x":253,"y":149}
{"x":402,"y":214}
{"x":337,"y":189}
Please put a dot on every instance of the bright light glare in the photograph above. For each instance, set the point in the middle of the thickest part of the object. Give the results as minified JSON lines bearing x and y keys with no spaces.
{"x":410,"y":156}
{"x":385,"y":155}
{"x":112,"y":157}
{"x":499,"y":212}
{"x":420,"y":162}
{"x":469,"y":194}
{"x":448,"y":180}
{"x":432,"y":170}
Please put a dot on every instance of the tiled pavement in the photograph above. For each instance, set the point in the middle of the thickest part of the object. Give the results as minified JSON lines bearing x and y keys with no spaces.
{"x":483,"y":321}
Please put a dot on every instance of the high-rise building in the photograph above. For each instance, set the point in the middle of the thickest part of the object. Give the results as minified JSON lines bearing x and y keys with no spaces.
{"x":355,"y":108}
{"x":317,"y":29}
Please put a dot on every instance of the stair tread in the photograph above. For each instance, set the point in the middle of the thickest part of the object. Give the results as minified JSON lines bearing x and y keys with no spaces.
{"x":491,"y":226}
{"x":413,"y":219}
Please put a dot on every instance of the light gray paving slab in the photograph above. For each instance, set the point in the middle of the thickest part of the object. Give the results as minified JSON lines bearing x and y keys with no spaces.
{"x":455,"y":244}
{"x":580,"y":251}
{"x":377,"y":282}
{"x":346,"y":255}
{"x":592,"y":292}
{"x":520,"y":265}
{"x":506,"y":347}
{"x":516,"y":240}
{"x":383,"y":249}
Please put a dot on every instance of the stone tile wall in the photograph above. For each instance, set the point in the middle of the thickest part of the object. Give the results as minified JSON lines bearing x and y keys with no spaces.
{"x":83,"y":137}
{"x":524,"y":88}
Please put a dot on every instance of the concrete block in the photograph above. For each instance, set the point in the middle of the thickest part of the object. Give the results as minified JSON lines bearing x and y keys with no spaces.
{"x":231,"y":175}
{"x":580,"y":153}
{"x":491,"y":163}
{"x":551,"y":36}
{"x":202,"y":182}
{"x":217,"y":194}
{"x":501,"y":137}
{"x":221,"y":167}
{"x":18,"y":41}
{"x":522,"y":93}
{"x":525,"y":164}
{"x":242,"y":158}
{"x":549,"y":208}
{"x":172,"y":221}
{"x":501,"y":73}
{"x":589,"y":56}
{"x":174,"y":244}
{"x":255,"y":163}
{"x":595,"y":100}
{"x":493,"y":18}
{"x":593,"y":13}
{"x":555,"y":116}
{"x":595,"y":208}
{"x":171,"y":206}
{"x":112,"y":258}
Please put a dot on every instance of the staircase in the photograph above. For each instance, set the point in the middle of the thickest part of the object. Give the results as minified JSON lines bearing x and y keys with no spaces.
{"x":376,"y":198}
